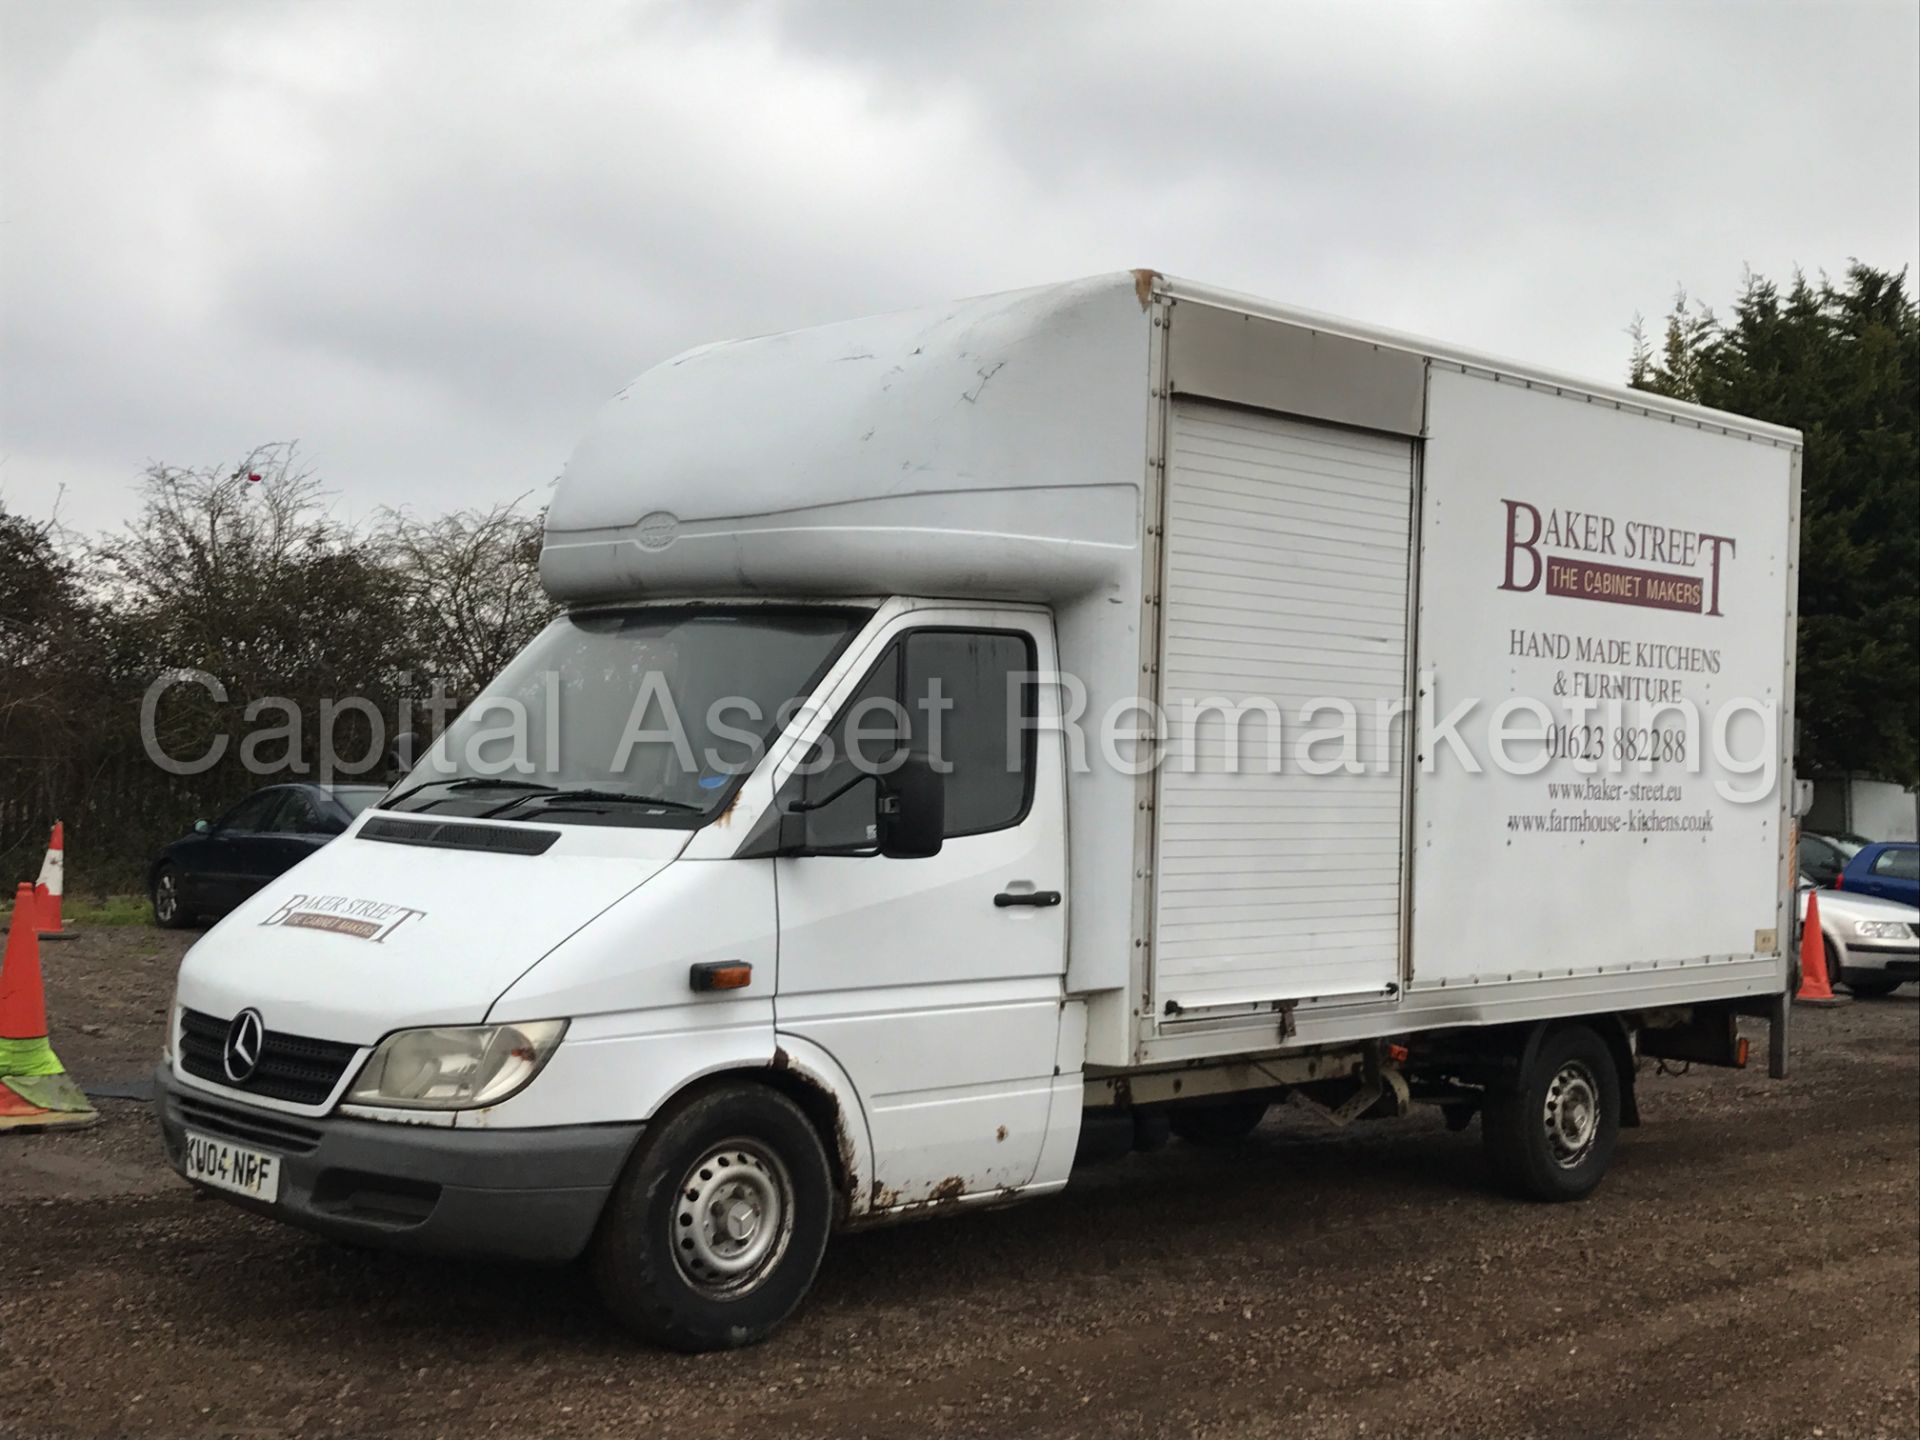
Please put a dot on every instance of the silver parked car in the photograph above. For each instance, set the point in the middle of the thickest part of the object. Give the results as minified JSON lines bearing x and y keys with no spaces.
{"x":1873,"y":945}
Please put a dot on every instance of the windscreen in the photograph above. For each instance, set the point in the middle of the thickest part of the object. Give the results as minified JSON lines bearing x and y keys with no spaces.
{"x":637,"y":717}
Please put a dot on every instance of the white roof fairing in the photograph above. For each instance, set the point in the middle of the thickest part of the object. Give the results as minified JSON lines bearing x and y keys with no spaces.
{"x":992,"y":447}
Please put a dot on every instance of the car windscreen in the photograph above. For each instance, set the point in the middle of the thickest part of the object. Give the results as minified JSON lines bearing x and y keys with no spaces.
{"x":636,"y":717}
{"x":355,"y":798}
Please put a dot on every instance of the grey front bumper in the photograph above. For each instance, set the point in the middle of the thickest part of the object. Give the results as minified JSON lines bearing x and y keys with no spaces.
{"x":513,"y":1194}
{"x":1892,"y":962}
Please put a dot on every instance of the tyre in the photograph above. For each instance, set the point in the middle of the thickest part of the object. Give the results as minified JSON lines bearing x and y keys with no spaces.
{"x":169,"y":907}
{"x":1550,"y":1136}
{"x":1221,"y":1124}
{"x":1873,"y":989}
{"x":713,"y":1234}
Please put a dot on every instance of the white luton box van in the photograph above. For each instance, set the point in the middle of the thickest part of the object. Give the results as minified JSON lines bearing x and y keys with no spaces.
{"x":997,"y":733}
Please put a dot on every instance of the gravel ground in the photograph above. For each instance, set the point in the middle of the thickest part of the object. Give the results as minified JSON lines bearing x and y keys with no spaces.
{"x":1750,"y":1268}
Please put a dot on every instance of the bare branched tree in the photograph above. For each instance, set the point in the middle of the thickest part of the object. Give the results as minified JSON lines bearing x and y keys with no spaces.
{"x":472,"y":584}
{"x":242,"y":572}
{"x":200,"y":529}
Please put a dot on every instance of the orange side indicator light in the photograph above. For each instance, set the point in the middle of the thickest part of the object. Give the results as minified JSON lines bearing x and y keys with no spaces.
{"x":720,"y":975}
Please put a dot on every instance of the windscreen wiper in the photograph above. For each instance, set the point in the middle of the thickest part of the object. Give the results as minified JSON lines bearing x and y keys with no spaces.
{"x":469,"y":782}
{"x":619,"y":797}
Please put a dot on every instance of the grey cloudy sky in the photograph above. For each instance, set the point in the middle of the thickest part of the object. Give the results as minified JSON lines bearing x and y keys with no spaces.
{"x":428,"y":238}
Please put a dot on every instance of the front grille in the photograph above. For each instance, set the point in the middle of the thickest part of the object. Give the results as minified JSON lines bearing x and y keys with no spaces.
{"x":249,"y":1127}
{"x":293,"y":1068}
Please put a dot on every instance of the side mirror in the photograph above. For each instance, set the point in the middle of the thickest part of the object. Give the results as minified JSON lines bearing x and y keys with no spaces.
{"x":201,"y":827}
{"x":912,"y":809}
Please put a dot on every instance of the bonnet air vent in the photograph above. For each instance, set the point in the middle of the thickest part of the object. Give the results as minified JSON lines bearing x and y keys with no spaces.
{"x":495,"y":839}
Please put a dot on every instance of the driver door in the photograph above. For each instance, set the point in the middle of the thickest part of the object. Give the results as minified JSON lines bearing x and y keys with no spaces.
{"x":937,"y":982}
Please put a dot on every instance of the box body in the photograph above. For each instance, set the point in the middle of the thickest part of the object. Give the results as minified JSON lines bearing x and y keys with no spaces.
{"x":1281,"y":550}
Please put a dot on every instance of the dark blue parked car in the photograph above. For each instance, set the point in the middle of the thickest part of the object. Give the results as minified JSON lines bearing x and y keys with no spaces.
{"x":1887,"y":868}
{"x":206,"y":873}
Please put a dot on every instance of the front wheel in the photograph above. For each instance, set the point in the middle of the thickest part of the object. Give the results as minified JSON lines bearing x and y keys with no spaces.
{"x":714,"y":1233}
{"x":169,"y":907}
{"x":1551,"y":1134}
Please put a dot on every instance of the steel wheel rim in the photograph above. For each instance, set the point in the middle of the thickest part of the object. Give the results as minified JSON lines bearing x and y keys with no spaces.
{"x":732,"y":1218}
{"x":165,"y":901}
{"x":1572,"y":1113}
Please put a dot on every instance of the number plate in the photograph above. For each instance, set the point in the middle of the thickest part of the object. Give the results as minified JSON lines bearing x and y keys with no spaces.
{"x":227,"y":1166}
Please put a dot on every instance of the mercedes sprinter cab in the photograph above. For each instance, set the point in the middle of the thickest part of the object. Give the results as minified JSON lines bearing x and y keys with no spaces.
{"x":820,"y":865}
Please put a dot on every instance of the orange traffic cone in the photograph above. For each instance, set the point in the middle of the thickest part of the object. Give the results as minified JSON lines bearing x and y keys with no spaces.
{"x":1814,"y":987}
{"x":53,"y":874}
{"x":35,"y":1093}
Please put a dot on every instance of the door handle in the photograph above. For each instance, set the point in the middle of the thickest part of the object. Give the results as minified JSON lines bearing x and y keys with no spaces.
{"x":1041,"y":898}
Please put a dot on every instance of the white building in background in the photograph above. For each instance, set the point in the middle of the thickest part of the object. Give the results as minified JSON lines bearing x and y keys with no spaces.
{"x":1855,"y":805}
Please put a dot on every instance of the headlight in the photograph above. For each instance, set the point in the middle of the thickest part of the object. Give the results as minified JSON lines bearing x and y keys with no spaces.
{"x":455,"y":1067}
{"x":1881,"y":929}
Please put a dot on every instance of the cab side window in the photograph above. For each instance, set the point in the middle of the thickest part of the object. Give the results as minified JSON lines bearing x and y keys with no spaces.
{"x":966,"y":699}
{"x":864,"y":737}
{"x":956,"y":696}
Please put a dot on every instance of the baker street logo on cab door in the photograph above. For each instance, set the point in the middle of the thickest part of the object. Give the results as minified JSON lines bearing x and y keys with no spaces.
{"x":371,"y":920}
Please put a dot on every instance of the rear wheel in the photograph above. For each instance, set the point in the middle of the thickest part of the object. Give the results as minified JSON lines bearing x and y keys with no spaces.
{"x":713,"y":1234}
{"x":1220,"y":1124}
{"x":1551,"y":1134}
{"x":169,"y":907}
